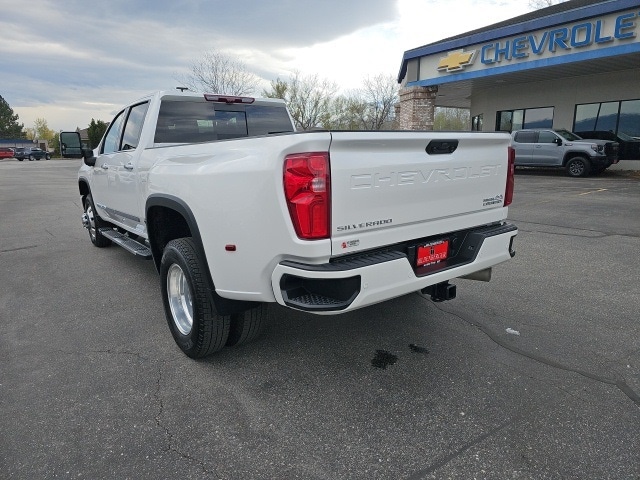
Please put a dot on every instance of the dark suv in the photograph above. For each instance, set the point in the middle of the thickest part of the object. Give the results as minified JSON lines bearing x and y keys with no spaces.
{"x":629,"y":147}
{"x":31,"y":153}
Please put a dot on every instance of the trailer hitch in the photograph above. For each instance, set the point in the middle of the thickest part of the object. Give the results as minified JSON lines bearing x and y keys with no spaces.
{"x":440,"y":291}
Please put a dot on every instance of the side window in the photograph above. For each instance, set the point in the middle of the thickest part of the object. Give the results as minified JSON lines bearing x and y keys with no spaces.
{"x":112,"y":139}
{"x":133,"y":127}
{"x":547,"y":137}
{"x":525,"y":137}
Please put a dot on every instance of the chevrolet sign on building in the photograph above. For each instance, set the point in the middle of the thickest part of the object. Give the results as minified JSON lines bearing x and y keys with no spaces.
{"x":573,"y":65}
{"x":456,"y":61}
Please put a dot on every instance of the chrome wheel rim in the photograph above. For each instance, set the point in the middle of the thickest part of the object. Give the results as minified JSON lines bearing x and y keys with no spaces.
{"x":92,"y":221}
{"x":180,"y":299}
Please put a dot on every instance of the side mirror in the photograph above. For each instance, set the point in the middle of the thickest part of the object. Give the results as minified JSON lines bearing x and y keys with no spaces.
{"x":70,"y":145}
{"x":89,"y":159}
{"x":558,"y":141}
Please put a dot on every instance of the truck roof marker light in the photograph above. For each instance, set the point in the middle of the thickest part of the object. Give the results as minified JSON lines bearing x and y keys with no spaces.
{"x":307,"y":188}
{"x":210,"y":97}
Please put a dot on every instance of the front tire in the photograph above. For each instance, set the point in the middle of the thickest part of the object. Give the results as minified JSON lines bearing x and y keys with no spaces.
{"x":94,"y":223}
{"x":196,"y":326}
{"x":578,"y":167}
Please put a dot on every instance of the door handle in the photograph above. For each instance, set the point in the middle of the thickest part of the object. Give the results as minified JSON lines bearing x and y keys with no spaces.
{"x":129,"y":166}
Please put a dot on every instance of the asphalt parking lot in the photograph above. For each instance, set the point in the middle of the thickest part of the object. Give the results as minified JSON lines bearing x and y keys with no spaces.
{"x":534,"y":375}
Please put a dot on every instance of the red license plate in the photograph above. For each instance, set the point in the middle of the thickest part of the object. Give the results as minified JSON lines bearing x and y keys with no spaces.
{"x":433,"y":252}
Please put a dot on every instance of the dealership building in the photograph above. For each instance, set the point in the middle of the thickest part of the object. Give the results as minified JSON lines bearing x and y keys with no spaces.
{"x":574,"y":65}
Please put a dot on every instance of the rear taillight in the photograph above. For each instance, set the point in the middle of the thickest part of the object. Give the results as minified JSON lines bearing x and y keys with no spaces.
{"x":511,"y":170}
{"x":307,"y":191}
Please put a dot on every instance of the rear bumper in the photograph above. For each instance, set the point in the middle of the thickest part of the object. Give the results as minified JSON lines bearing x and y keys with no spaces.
{"x":354,"y":282}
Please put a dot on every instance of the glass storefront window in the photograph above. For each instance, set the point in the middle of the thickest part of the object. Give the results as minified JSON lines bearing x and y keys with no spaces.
{"x":616,"y":117}
{"x":630,"y":118}
{"x":518,"y":120}
{"x":504,"y":121}
{"x":510,"y":120}
{"x":608,"y":116}
{"x":586,"y":116}
{"x":476,"y":123}
{"x":538,"y":117}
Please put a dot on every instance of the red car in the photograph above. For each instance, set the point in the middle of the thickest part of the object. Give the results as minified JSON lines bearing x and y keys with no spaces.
{"x":6,"y":152}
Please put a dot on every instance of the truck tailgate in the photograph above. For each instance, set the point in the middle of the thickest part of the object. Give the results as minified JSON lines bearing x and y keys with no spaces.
{"x":389,"y":187}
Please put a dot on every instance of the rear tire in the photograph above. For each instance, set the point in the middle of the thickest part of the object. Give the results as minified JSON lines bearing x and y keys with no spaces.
{"x":578,"y":167}
{"x":196,"y":326}
{"x":247,"y":326}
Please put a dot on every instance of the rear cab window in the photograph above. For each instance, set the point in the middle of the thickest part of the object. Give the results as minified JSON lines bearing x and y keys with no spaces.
{"x":195,"y":121}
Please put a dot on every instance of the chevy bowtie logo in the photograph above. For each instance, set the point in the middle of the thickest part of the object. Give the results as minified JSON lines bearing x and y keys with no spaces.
{"x":456,"y":61}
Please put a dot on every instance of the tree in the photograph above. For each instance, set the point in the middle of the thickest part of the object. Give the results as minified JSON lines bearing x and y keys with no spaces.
{"x":313,"y":102}
{"x":217,"y":72}
{"x":380,"y":94}
{"x":40,"y":130}
{"x":9,"y":126}
{"x":456,"y":119}
{"x":308,"y":98}
{"x":55,"y":143}
{"x":345,"y":112}
{"x":95,"y":132}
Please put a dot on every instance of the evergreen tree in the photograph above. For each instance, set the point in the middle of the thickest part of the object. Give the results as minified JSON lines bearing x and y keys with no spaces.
{"x":96,"y":131}
{"x":9,"y":126}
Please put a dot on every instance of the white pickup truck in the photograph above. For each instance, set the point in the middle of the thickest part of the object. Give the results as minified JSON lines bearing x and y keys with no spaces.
{"x":237,"y":210}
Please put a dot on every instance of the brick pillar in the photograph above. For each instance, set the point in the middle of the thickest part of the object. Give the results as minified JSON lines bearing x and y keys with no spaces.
{"x":416,"y":108}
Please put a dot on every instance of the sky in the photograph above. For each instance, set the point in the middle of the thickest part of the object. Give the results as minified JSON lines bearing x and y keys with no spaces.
{"x":75,"y":60}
